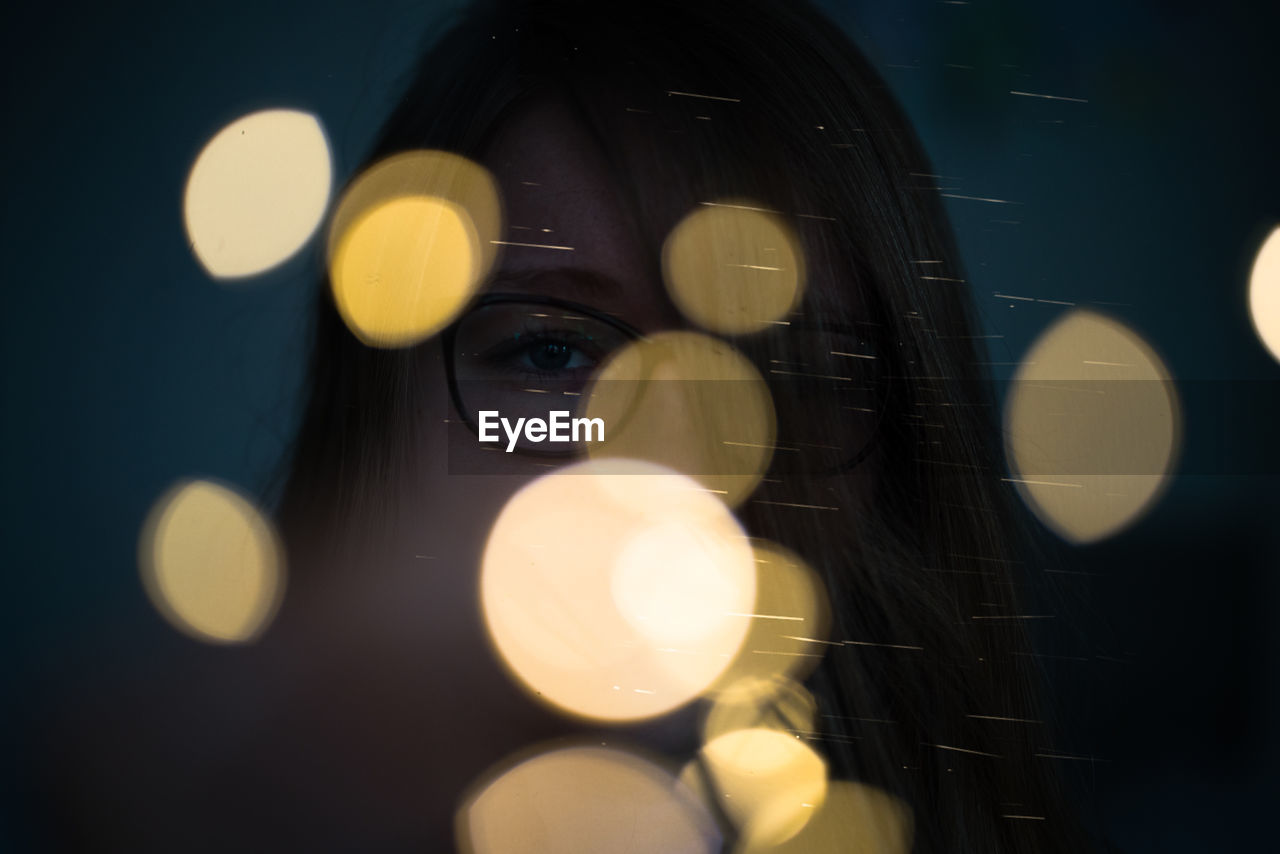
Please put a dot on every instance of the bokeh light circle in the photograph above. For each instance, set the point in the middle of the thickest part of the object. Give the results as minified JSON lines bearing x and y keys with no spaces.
{"x":733,"y":268}
{"x":616,"y":590}
{"x":584,"y":799}
{"x":789,"y":623}
{"x":1264,"y":293}
{"x":211,"y":563}
{"x":767,"y":782}
{"x":688,"y":401}
{"x":1092,"y":427}
{"x":854,"y":819}
{"x":409,"y":243}
{"x":257,"y":192}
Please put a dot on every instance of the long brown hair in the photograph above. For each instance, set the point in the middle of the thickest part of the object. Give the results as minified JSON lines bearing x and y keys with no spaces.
{"x":926,"y":702}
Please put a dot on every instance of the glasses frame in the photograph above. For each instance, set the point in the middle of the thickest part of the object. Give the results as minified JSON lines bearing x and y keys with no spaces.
{"x":449,"y":342}
{"x":450,"y":335}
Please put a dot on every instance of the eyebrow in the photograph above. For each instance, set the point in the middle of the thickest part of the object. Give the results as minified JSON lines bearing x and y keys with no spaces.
{"x":557,"y":282}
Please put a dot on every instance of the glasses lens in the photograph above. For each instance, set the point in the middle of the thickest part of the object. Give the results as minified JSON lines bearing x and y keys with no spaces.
{"x":529,"y":360}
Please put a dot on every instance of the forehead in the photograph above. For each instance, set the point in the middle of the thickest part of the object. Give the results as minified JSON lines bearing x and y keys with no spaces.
{"x":568,"y":209}
{"x":565,"y":210}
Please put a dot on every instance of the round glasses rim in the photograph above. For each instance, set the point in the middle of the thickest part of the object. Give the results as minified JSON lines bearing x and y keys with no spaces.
{"x":507,"y":298}
{"x":450,"y":335}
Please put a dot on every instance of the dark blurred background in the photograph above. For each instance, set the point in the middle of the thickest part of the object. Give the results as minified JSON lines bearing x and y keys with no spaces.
{"x":1144,"y":190}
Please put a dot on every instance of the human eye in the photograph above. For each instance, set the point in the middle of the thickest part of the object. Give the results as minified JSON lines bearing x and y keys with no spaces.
{"x":544,"y":354}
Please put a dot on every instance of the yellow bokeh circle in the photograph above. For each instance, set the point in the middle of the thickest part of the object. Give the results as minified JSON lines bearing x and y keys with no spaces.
{"x":733,"y":268}
{"x":409,"y":244}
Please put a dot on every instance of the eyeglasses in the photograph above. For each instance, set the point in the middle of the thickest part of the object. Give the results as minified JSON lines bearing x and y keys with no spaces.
{"x":527,"y":357}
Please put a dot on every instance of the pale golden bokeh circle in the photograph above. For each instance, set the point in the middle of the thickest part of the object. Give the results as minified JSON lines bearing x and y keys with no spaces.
{"x":774,"y":703}
{"x":854,"y":819}
{"x":211,"y":563}
{"x":789,"y":623}
{"x":1092,"y":427}
{"x":409,"y":244}
{"x":767,"y":782}
{"x":688,"y":401}
{"x":584,"y":799}
{"x":616,"y":590}
{"x":733,"y":268}
{"x":1264,"y":293}
{"x":257,"y":192}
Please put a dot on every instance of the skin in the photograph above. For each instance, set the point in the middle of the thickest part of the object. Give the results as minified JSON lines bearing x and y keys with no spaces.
{"x":375,"y":699}
{"x":409,"y":618}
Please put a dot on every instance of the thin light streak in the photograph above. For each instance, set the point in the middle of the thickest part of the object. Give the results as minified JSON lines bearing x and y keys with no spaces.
{"x":885,"y":645}
{"x":530,"y":245}
{"x":963,"y":750}
{"x":978,"y":199}
{"x":1042,"y":482}
{"x":707,"y":97}
{"x":1048,"y":97}
{"x":765,"y":616}
{"x":799,"y":506}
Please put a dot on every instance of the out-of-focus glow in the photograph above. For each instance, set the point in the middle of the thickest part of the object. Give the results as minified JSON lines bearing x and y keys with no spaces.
{"x":616,"y":590}
{"x":790,"y":622}
{"x":1092,"y":427}
{"x":257,"y":192}
{"x":733,"y":268}
{"x":584,"y":799}
{"x":767,"y":782}
{"x":779,"y":704}
{"x":211,"y":563}
{"x":1264,"y":293}
{"x":855,"y":819}
{"x":404,"y":270}
{"x":410,"y":241}
{"x":690,"y":402}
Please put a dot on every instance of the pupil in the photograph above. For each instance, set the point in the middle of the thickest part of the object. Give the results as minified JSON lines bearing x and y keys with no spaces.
{"x":550,"y":357}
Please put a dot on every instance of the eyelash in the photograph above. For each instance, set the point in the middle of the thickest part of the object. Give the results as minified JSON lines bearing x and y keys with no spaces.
{"x":499,"y":355}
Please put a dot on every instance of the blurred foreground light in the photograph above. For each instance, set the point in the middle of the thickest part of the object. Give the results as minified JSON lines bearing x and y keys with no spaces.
{"x":733,"y":268}
{"x":211,"y":563}
{"x":410,"y":242}
{"x":767,"y":782}
{"x":778,"y":703}
{"x":690,"y":402}
{"x":1092,"y":427}
{"x":617,"y":590}
{"x":1264,"y":293}
{"x":789,"y":622}
{"x":854,"y":819}
{"x":584,"y":799}
{"x":257,"y":192}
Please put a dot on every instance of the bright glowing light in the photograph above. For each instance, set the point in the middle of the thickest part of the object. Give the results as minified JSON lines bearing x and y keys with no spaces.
{"x":257,"y":192}
{"x":855,"y":819}
{"x":1092,"y":426}
{"x":732,"y":269}
{"x":790,"y":622}
{"x":409,"y":243}
{"x":584,"y":799}
{"x":211,"y":563}
{"x":404,"y":269}
{"x":776,"y":703}
{"x":1264,"y":293}
{"x":768,"y":782}
{"x":691,"y":402}
{"x":616,"y":590}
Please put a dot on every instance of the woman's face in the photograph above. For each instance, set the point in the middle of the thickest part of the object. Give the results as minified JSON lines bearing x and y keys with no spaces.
{"x":403,"y":608}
